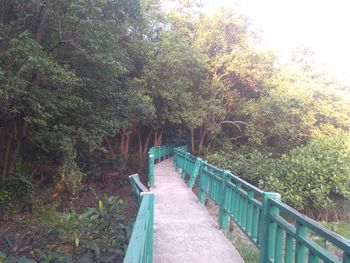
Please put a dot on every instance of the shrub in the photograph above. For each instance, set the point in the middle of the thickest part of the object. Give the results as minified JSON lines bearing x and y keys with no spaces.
{"x":98,"y":235}
{"x":309,"y":177}
{"x":249,"y":164}
{"x":17,"y":190}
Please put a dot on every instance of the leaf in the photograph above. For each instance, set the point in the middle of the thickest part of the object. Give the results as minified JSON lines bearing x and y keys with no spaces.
{"x":76,"y":241}
{"x":2,"y":255}
{"x":93,"y":246}
{"x":89,"y":212}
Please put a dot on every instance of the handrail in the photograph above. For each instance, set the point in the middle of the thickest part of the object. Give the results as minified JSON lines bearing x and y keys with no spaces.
{"x":281,"y":233}
{"x":137,"y":187}
{"x":140,"y":248}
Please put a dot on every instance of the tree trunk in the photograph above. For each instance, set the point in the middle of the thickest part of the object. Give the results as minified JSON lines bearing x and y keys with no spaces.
{"x":145,"y":147}
{"x":159,"y":141}
{"x":210,"y":142}
{"x":192,"y":141}
{"x":109,"y":146}
{"x":201,"y":142}
{"x":44,"y":9}
{"x":2,"y":12}
{"x":138,"y":134}
{"x":158,"y":137}
{"x":155,"y":137}
{"x":127,"y":142}
{"x":6,"y":157}
{"x":122,"y":143}
{"x":18,"y":140}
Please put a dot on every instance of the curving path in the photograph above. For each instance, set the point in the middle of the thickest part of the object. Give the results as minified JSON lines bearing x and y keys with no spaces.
{"x":183,"y":229}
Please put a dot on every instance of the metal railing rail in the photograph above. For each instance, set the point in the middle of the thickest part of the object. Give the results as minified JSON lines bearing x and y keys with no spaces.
{"x":140,"y":248}
{"x":281,"y":233}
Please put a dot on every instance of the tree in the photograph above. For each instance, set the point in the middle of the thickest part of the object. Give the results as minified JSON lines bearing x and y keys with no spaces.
{"x":65,"y":76}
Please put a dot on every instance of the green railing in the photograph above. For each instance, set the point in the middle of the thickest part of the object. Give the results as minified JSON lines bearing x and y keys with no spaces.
{"x":157,"y":154}
{"x":281,"y":233}
{"x":140,"y":248}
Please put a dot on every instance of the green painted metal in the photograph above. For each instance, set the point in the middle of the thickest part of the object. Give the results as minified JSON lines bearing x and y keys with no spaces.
{"x":223,"y":215}
{"x":151,"y":169}
{"x":194,"y":173}
{"x":281,"y":233}
{"x":137,"y":187}
{"x":140,"y":248}
{"x":267,"y":229}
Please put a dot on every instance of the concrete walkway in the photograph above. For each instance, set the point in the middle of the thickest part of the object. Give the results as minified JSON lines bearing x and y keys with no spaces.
{"x":184,"y":230}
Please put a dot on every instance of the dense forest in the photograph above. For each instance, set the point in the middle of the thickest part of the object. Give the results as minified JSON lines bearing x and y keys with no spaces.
{"x":87,"y":87}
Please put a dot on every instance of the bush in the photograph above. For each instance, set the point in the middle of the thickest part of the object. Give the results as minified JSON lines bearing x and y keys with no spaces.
{"x":98,"y":235}
{"x":249,"y":164}
{"x":15,"y":191}
{"x":309,"y":177}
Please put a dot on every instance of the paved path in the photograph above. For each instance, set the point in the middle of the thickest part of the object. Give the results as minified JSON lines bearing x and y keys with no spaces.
{"x":184,"y":230}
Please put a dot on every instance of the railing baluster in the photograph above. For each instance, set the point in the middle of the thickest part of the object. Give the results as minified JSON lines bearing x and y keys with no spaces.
{"x":272,"y":232}
{"x":313,"y":258}
{"x":255,"y":223}
{"x":223,"y":216}
{"x":265,"y":238}
{"x":240,"y":205}
{"x":279,"y":245}
{"x":238,"y":186}
{"x":289,"y":251}
{"x":250,"y":195}
{"x":244,"y":211}
{"x":301,"y":250}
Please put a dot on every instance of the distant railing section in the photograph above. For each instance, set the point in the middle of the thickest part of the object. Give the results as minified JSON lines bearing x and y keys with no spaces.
{"x":140,"y":248}
{"x":157,"y":154}
{"x":281,"y":233}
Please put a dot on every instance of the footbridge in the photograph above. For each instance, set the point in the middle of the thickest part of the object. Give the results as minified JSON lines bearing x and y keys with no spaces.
{"x":173,"y":224}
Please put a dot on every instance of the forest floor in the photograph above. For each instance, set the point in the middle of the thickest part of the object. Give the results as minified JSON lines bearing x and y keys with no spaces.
{"x":23,"y":232}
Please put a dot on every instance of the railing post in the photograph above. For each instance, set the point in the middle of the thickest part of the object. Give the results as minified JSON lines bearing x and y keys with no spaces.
{"x":195,"y":171}
{"x":202,"y":194}
{"x":151,"y":169}
{"x":174,"y":158}
{"x":150,"y":228}
{"x":300,"y":250}
{"x":223,"y":216}
{"x":266,"y":241}
{"x":183,"y":172}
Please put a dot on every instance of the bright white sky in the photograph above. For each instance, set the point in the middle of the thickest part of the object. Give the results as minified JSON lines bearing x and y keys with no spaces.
{"x":322,"y":25}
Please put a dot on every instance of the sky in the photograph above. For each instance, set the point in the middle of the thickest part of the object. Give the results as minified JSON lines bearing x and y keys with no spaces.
{"x":321,"y":25}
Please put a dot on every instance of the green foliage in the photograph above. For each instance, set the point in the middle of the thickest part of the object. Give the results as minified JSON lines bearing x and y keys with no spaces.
{"x":248,"y":163}
{"x":293,"y":110}
{"x":318,"y":173}
{"x":17,"y":191}
{"x":248,"y":252}
{"x":99,"y":234}
{"x":309,"y":177}
{"x":339,"y":227}
{"x":72,"y":175}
